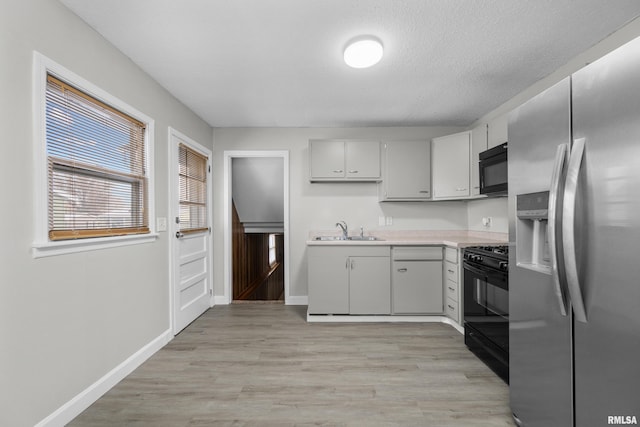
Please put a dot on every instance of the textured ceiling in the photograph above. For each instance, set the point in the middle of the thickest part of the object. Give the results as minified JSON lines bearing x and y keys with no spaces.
{"x":249,"y":63}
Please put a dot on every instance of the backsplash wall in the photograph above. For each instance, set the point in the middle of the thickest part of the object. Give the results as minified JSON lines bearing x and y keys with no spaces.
{"x":494,"y":208}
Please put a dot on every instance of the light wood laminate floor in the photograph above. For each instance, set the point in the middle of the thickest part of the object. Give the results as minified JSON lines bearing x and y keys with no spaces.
{"x":264,"y":365}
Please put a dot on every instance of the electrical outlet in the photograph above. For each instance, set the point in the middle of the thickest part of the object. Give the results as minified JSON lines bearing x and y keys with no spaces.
{"x":381,"y":220}
{"x":486,"y":221}
{"x":389,"y":220}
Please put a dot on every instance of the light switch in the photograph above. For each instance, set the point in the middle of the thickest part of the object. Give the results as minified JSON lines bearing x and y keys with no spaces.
{"x":161,"y":224}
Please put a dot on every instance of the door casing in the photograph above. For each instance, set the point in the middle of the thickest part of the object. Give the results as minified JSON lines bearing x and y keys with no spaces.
{"x":227,"y":297}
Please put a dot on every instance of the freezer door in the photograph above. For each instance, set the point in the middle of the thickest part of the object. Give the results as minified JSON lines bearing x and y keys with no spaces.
{"x":606,"y":113}
{"x":539,"y":336}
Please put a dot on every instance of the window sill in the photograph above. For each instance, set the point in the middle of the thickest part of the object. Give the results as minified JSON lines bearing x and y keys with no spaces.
{"x":46,"y":249}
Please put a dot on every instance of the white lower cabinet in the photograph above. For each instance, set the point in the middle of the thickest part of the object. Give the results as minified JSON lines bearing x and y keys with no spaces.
{"x":349,"y":279}
{"x":416,"y":277}
{"x":369,"y":287}
{"x":384,"y":280}
{"x":453,"y":300}
{"x":328,"y":281}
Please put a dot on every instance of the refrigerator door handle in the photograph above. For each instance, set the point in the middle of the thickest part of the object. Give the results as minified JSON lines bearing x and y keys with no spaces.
{"x":562,"y":154}
{"x":568,"y":230}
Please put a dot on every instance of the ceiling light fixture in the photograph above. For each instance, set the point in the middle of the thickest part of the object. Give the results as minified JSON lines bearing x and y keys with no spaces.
{"x":363,"y":52}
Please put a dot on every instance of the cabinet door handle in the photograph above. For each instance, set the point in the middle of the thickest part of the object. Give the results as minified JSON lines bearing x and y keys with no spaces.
{"x":337,"y":171}
{"x":451,"y":289}
{"x":461,"y":189}
{"x":402,"y":270}
{"x":450,"y":271}
{"x":353,"y":171}
{"x":450,"y":307}
{"x":353,"y":264}
{"x":423,"y":191}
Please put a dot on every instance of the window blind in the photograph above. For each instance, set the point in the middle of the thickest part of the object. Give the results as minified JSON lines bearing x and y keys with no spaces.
{"x":193,"y":190}
{"x":96,"y":167}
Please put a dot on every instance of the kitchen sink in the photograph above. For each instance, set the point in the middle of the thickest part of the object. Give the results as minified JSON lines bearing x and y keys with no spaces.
{"x":363,"y":238}
{"x":329,"y":238}
{"x":350,"y":238}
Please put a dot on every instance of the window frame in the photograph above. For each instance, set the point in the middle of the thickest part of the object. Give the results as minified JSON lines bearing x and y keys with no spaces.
{"x":207,"y":176}
{"x":272,"y":250}
{"x":42,"y":246}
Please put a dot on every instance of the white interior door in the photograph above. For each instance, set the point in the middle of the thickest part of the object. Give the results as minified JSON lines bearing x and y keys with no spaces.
{"x":191,"y":231}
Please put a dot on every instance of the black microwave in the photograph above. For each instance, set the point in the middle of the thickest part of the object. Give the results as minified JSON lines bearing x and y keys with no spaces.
{"x":493,"y":171}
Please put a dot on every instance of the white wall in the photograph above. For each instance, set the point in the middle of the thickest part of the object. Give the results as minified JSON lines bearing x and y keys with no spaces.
{"x":68,"y":320}
{"x":494,"y":208}
{"x":257,"y":189}
{"x":318,"y":206}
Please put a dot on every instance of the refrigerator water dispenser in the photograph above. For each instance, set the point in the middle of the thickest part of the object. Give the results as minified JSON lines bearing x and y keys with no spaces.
{"x":532,"y":243}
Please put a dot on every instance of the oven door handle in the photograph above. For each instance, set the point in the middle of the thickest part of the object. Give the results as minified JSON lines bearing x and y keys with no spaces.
{"x":495,"y":278}
{"x":475,"y":270}
{"x":562,"y":155}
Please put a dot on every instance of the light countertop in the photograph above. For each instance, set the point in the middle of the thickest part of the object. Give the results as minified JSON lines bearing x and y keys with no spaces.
{"x":451,"y":238}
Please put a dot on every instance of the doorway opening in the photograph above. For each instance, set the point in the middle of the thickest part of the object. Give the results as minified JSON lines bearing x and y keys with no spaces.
{"x":256,"y":226}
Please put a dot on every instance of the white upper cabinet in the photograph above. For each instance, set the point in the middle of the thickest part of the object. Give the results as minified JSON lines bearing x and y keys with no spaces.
{"x":450,"y":166}
{"x":326,"y":159}
{"x":497,"y":132}
{"x":362,"y":160}
{"x":406,"y":171}
{"x":344,"y":160}
{"x":478,"y":145}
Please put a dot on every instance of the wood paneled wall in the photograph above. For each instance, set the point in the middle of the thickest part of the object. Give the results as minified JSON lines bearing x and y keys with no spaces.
{"x":251,"y":263}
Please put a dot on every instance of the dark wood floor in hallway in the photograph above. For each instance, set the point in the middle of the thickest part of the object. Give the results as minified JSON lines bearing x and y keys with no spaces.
{"x":264,"y":365}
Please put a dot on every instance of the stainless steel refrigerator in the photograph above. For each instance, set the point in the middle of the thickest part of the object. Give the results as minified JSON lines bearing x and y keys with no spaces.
{"x":574,"y":280}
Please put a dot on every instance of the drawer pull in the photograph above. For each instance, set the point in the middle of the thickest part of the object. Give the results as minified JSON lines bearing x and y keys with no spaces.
{"x":451,"y":289}
{"x":353,"y":171}
{"x":337,"y":171}
{"x":402,"y":270}
{"x":451,"y":271}
{"x":450,"y":307}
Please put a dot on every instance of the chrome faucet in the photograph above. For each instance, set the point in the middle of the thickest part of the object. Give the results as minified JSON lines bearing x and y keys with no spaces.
{"x":343,"y":226}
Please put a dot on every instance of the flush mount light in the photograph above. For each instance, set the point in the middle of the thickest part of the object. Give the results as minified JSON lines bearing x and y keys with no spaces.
{"x":363,"y":52}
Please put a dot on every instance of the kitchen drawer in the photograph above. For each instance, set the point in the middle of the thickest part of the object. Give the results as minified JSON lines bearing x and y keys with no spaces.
{"x":451,"y":271}
{"x":451,"y":255}
{"x":451,"y":290}
{"x":416,"y":253}
{"x":451,"y":309}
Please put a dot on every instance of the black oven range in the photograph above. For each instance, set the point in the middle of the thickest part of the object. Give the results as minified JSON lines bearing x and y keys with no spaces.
{"x":486,"y":306}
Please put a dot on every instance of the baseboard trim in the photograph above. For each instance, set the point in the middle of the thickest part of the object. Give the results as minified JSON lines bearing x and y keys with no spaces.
{"x":220,"y":300}
{"x":346,"y":318}
{"x":291,"y":300}
{"x":84,"y":399}
{"x":297,"y":300}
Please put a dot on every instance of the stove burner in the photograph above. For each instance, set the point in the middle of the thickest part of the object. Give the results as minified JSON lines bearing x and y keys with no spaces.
{"x":491,"y":256}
